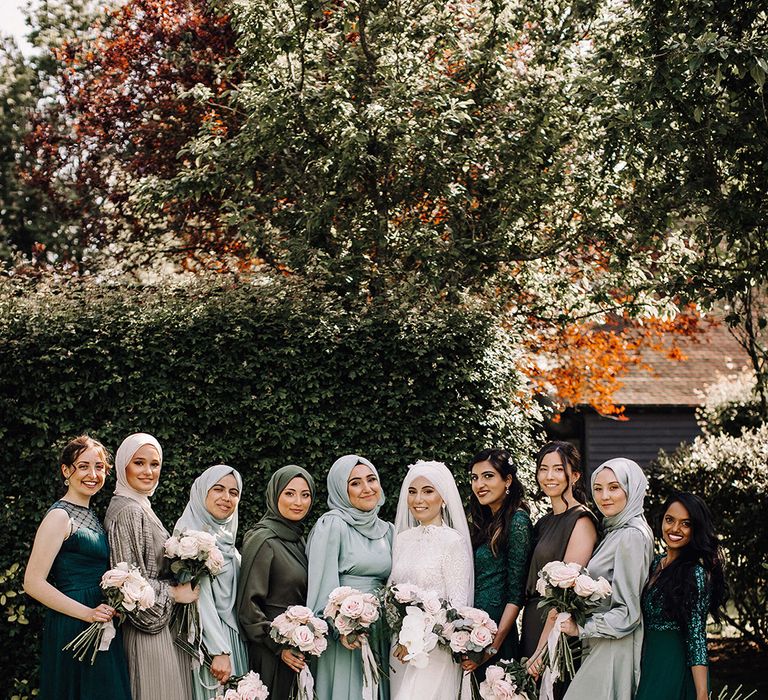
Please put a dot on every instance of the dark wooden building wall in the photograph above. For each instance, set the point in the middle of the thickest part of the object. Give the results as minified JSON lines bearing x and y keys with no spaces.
{"x":640,"y":438}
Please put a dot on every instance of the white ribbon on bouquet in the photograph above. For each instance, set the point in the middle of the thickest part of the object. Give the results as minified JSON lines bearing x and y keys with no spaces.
{"x":306,"y":684}
{"x":107,"y":635}
{"x":552,"y":672}
{"x":370,"y":671}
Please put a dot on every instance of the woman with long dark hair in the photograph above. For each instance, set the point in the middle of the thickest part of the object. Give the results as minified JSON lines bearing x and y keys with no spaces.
{"x":567,"y":533}
{"x":686,"y":585}
{"x":502,"y":535}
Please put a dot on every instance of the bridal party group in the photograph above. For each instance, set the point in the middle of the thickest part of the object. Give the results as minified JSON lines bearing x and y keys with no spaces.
{"x":646,"y":639}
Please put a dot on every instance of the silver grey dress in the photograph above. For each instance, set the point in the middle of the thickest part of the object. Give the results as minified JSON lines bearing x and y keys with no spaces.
{"x":158,"y":669}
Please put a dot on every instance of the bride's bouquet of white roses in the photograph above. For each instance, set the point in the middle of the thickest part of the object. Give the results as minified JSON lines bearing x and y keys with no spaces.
{"x":572,"y":592}
{"x":300,"y":631}
{"x":247,"y":687}
{"x":352,"y":613}
{"x":125,"y":590}
{"x":193,"y":555}
{"x":507,"y":680}
{"x":418,"y":618}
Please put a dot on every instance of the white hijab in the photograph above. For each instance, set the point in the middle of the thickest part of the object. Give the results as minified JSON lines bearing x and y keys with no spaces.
{"x":453,"y":514}
{"x":125,"y":453}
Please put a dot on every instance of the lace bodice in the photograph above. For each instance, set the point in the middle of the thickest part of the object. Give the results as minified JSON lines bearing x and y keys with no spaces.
{"x":433,"y":558}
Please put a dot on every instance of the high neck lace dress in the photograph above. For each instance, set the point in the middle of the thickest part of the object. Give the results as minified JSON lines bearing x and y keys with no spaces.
{"x":435,"y":559}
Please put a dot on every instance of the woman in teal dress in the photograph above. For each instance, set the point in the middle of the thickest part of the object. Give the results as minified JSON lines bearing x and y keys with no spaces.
{"x":686,"y":585}
{"x":350,"y":546}
{"x":212,"y":508}
{"x":502,"y":539}
{"x":69,"y":556}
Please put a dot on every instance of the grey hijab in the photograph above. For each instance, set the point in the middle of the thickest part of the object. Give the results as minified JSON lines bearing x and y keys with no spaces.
{"x":634,"y":483}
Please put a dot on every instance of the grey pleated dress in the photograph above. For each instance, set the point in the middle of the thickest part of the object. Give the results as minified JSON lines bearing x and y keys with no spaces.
{"x":158,"y":669}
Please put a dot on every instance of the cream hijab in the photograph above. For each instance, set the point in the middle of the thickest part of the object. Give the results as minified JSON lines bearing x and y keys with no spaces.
{"x":125,"y":453}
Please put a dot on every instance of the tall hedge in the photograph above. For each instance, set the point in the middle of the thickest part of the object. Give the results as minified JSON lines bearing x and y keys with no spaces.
{"x":253,"y":375}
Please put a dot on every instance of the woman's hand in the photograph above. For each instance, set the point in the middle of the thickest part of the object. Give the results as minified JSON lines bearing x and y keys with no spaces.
{"x":569,"y":627}
{"x":101,"y":613}
{"x":535,"y":665}
{"x":184,"y":593}
{"x":400,"y":652}
{"x":468,"y":665}
{"x":292,"y":660}
{"x":221,"y":668}
{"x":352,"y":641}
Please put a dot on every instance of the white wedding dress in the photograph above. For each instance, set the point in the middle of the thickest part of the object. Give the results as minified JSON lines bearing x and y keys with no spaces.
{"x":433,"y":558}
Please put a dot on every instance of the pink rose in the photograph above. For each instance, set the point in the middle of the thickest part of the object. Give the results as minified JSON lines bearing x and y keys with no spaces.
{"x":352,"y":606}
{"x":205,"y":541}
{"x":481,"y":637}
{"x":284,"y":626}
{"x":132,"y":591}
{"x":369,"y":614}
{"x":338,"y":594}
{"x":563,"y":575}
{"x":320,"y":645}
{"x":114,"y":577}
{"x":494,"y":673}
{"x":147,"y":598}
{"x":343,"y":625}
{"x":172,"y":547}
{"x":477,"y":616}
{"x":303,"y":638}
{"x":584,"y":586}
{"x":541,"y":586}
{"x":215,"y":561}
{"x":321,"y":627}
{"x":459,"y":641}
{"x":405,"y":592}
{"x":603,"y":587}
{"x":331,"y":609}
{"x":299,"y":613}
{"x":431,"y":603}
{"x":504,"y":690}
{"x":188,"y":548}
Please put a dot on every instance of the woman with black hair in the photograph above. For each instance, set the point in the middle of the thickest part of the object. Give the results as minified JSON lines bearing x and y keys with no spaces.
{"x":686,"y":585}
{"x":567,"y":533}
{"x":502,"y":533}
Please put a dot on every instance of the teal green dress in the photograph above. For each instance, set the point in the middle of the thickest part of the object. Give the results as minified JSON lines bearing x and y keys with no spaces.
{"x":668,"y":651}
{"x":339,"y":555}
{"x":500,"y":580}
{"x":76,"y":572}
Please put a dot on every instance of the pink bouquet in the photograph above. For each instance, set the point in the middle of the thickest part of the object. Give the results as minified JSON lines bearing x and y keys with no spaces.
{"x":469,"y":632}
{"x":247,"y":687}
{"x":507,"y":680}
{"x":300,"y":631}
{"x":352,"y":613}
{"x":125,"y":590}
{"x":572,"y":592}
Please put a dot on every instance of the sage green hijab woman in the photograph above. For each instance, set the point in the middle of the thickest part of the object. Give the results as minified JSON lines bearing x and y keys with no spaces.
{"x":273,"y":576}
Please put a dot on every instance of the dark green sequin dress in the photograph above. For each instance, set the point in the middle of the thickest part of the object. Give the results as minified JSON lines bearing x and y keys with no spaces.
{"x":501,"y":580}
{"x":76,"y":572}
{"x":668,"y":651}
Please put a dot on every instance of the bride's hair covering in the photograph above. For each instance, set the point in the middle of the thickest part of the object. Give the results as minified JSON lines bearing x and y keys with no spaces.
{"x":453,"y":513}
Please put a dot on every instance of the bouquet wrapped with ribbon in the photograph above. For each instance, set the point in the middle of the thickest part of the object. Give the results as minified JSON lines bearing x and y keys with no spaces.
{"x":298,"y":630}
{"x":352,"y":613}
{"x":125,"y":590}
{"x":418,"y":618}
{"x":507,"y":680}
{"x":572,"y":592}
{"x":247,"y":687}
{"x":193,"y":555}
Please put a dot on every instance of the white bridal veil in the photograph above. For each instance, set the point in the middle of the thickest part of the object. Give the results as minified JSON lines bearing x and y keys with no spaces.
{"x":453,"y":513}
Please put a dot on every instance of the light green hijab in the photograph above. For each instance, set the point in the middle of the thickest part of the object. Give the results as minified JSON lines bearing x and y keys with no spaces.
{"x":634,"y":483}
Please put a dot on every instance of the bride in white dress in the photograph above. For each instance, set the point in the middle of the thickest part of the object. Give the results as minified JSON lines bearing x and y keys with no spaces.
{"x":432,"y":550}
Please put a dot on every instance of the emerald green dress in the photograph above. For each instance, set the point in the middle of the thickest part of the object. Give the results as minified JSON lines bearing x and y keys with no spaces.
{"x":76,"y":572}
{"x":500,"y":580}
{"x":668,"y":651}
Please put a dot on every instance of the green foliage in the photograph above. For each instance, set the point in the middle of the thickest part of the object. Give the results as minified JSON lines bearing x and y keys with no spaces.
{"x":731,"y":475}
{"x":253,"y":375}
{"x":730,"y":405}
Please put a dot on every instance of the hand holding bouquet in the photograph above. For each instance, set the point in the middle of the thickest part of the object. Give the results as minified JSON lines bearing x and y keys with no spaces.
{"x":469,"y":633}
{"x":352,"y":613}
{"x":418,"y":618}
{"x":298,"y":630}
{"x":125,"y":590}
{"x":571,"y":591}
{"x":247,"y":687}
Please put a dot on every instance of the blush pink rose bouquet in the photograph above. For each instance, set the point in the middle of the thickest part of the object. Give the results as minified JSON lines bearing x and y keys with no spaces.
{"x":300,"y":631}
{"x":125,"y":589}
{"x":507,"y":680}
{"x":247,"y":687}
{"x":352,"y":613}
{"x":572,"y":592}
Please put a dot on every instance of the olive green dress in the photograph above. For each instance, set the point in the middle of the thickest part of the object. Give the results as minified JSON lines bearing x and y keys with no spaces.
{"x":500,"y":580}
{"x":668,"y":651}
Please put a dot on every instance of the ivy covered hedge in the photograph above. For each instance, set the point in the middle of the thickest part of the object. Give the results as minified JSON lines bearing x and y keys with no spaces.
{"x":253,"y":375}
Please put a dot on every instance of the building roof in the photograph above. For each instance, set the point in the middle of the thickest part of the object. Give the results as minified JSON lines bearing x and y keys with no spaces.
{"x":711,"y":355}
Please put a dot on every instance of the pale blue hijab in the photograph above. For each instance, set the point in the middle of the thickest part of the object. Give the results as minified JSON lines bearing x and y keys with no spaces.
{"x":197,"y":517}
{"x":366,"y":522}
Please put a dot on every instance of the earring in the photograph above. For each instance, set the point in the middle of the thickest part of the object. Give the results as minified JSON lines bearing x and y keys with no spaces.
{"x":66,"y":482}
{"x":507,"y":491}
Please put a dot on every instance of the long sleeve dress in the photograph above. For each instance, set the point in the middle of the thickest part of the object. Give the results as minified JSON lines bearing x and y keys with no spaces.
{"x":76,"y":572}
{"x":500,"y":580}
{"x":158,"y":669}
{"x":339,"y":555}
{"x":668,"y":651}
{"x":613,"y":635}
{"x":273,"y":577}
{"x":434,"y":558}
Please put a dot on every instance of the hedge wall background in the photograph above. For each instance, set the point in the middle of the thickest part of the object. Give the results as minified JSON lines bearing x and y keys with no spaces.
{"x":256,"y":376}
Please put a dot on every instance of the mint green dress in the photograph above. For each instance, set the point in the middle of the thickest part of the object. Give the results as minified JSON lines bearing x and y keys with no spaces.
{"x":668,"y":651}
{"x":500,"y":580}
{"x":339,"y":555}
{"x":76,"y":572}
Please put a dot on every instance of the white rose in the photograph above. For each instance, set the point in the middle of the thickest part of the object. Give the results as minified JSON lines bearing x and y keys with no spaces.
{"x":603,"y":587}
{"x":494,"y":673}
{"x":338,"y":594}
{"x":563,"y":576}
{"x":299,"y":613}
{"x":132,"y":591}
{"x":584,"y":586}
{"x":188,"y":548}
{"x":541,"y":587}
{"x":114,"y":577}
{"x":172,"y":547}
{"x":147,"y":598}
{"x":480,"y":637}
{"x":431,"y":603}
{"x":459,"y":641}
{"x":352,"y":606}
{"x":205,"y":541}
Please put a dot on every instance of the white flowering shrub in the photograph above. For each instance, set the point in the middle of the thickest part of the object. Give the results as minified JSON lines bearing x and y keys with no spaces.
{"x":731,"y":474}
{"x":729,"y":405}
